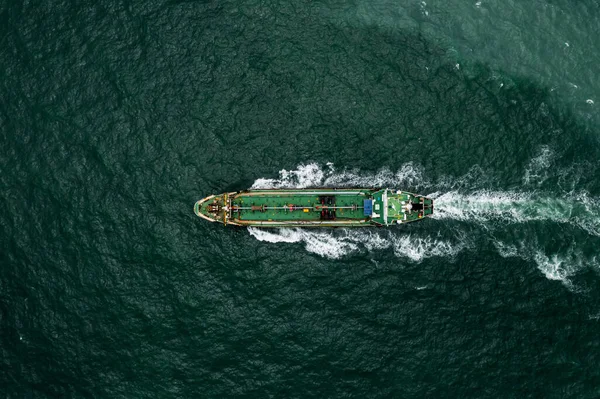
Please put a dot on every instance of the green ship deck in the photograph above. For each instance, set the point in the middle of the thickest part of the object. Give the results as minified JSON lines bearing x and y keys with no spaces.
{"x":314,"y":207}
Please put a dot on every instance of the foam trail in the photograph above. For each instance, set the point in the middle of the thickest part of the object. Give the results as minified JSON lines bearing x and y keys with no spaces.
{"x":554,"y":267}
{"x":335,"y":245}
{"x":480,"y":206}
{"x":512,"y":207}
{"x":539,"y":167}
{"x":313,"y":175}
{"x":558,"y":266}
{"x":310,"y":175}
{"x":321,"y":243}
{"x":347,"y":241}
{"x":409,"y":175}
{"x":418,"y":249}
{"x":463,"y":199}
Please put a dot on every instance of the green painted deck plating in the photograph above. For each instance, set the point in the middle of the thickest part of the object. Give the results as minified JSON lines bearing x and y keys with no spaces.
{"x":314,"y":207}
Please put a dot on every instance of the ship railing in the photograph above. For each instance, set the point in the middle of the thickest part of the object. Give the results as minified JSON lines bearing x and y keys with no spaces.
{"x":248,"y":208}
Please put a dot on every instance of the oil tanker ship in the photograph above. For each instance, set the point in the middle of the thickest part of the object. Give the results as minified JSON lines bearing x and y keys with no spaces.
{"x":314,"y":207}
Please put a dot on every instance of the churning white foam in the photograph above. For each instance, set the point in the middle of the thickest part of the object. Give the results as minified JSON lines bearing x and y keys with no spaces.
{"x":557,"y":266}
{"x":538,"y":169}
{"x":554,"y":266}
{"x":321,"y":243}
{"x":419,"y":248}
{"x":576,"y":209}
{"x":335,"y":245}
{"x":313,"y":175}
{"x":591,"y":221}
{"x":463,"y":199}
{"x":310,"y":175}
{"x":479,"y":206}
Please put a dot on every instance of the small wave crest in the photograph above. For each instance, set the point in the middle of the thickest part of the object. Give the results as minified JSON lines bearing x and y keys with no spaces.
{"x":538,"y":169}
{"x":560,"y":266}
{"x":309,"y":175}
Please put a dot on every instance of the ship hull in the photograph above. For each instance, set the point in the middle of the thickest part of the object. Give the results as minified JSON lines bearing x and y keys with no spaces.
{"x":314,"y":207}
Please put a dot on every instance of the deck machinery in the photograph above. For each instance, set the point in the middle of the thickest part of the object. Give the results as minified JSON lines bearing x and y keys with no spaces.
{"x":314,"y":207}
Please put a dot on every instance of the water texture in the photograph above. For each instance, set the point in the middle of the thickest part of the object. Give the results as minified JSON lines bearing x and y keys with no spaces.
{"x":116,"y":117}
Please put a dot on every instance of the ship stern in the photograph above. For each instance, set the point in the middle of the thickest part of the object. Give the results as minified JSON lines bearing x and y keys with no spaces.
{"x":403,"y":207}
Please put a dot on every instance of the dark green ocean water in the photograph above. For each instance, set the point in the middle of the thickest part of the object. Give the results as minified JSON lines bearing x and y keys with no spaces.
{"x":115,"y":117}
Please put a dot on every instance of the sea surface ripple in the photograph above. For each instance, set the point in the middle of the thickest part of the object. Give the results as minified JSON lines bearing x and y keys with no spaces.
{"x":115,"y":117}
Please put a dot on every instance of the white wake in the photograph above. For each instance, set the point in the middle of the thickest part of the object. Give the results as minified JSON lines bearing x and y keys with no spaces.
{"x":335,"y":245}
{"x":465,"y":202}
